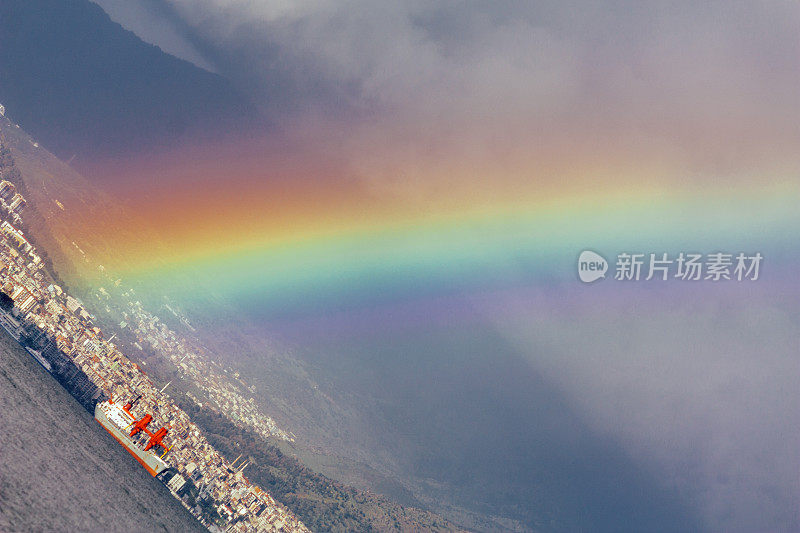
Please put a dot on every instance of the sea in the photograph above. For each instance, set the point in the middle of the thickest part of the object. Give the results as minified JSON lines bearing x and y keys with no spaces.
{"x":61,"y":471}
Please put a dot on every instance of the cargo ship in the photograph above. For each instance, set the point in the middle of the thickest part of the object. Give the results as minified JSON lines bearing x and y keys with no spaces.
{"x":123,"y":426}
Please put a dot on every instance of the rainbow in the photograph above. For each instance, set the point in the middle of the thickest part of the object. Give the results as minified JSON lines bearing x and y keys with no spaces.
{"x":324,"y":263}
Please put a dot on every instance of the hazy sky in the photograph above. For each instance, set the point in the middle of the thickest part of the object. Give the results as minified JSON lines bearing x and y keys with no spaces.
{"x":492,"y":103}
{"x":419,"y":96}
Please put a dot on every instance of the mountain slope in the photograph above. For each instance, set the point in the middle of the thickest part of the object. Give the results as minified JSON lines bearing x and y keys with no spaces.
{"x":85,"y":86}
{"x":67,"y":218}
{"x":64,"y":217}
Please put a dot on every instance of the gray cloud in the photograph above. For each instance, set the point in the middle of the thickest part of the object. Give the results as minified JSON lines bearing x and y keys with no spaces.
{"x":408,"y":90}
{"x":698,"y":388}
{"x":417,"y":92}
{"x":411,"y":92}
{"x":502,"y":55}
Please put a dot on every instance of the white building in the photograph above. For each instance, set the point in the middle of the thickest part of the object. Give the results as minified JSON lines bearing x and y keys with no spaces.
{"x":73,"y":304}
{"x":26,"y":303}
{"x":176,"y":483}
{"x":12,"y":232}
{"x":7,"y":190}
{"x":17,"y":203}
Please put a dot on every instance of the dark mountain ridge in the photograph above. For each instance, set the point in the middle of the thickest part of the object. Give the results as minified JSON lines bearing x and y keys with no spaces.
{"x":86,"y":87}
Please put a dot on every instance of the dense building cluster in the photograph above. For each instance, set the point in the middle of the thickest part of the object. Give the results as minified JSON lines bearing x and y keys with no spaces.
{"x":61,"y":334}
{"x":11,"y":201}
{"x":195,"y":366}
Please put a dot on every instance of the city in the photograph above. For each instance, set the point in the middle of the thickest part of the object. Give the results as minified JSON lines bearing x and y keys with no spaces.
{"x":354,"y":266}
{"x":59,"y":332}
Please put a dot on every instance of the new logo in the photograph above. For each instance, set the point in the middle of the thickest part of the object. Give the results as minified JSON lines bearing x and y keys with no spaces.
{"x":591,"y":266}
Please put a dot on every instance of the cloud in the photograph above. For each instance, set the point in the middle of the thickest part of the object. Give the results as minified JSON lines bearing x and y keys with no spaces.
{"x":431,"y":98}
{"x":416,"y":91}
{"x":494,"y":100}
{"x":698,"y":388}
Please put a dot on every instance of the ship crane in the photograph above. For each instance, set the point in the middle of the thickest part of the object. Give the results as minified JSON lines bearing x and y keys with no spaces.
{"x":141,"y":425}
{"x":155,"y":439}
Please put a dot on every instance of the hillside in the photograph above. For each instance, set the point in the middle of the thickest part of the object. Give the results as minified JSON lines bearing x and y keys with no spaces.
{"x":88,"y":88}
{"x":322,"y":503}
{"x":68,"y":217}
